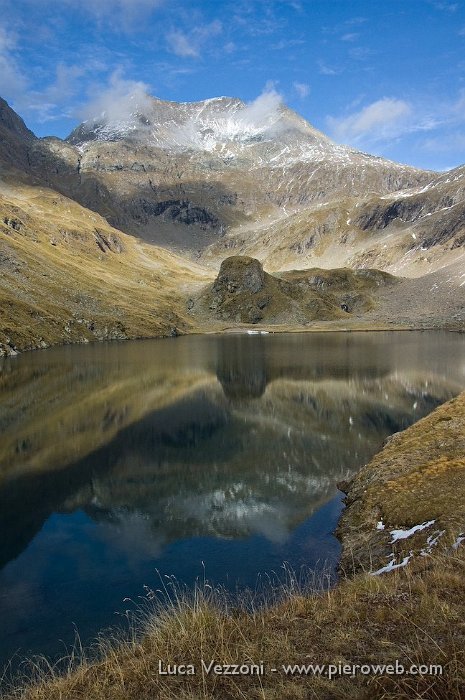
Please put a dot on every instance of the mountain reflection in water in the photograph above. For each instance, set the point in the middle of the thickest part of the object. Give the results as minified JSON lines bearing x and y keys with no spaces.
{"x":154,"y":446}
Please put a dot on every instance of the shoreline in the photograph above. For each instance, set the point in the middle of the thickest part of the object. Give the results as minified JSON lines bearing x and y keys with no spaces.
{"x":7,"y":351}
{"x":401,"y":571}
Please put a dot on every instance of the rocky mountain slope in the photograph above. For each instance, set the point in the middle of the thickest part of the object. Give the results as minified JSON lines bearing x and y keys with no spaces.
{"x":185,"y":174}
{"x":219,"y":177}
{"x":209,"y":180}
{"x":15,"y":140}
{"x":412,"y":232}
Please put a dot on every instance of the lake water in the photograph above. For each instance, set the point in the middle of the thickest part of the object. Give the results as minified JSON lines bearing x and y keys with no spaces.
{"x":212,"y":456}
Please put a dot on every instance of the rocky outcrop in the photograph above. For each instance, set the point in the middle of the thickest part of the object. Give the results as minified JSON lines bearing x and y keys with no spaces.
{"x":244,"y":293}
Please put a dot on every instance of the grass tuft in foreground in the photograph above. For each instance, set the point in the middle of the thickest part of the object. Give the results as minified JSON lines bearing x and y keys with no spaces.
{"x":415,"y":616}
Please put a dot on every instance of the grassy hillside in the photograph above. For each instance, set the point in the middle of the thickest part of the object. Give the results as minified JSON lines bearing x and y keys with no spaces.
{"x":67,"y":276}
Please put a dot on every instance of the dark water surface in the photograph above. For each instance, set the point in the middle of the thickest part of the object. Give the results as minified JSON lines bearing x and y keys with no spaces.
{"x":215,"y":453}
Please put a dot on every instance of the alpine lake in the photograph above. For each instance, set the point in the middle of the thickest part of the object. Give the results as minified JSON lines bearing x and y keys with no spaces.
{"x":126,"y":466}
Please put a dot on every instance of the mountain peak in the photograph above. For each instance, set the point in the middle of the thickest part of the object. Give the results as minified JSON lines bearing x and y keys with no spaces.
{"x":215,"y":124}
{"x":12,"y":122}
{"x":15,"y":138}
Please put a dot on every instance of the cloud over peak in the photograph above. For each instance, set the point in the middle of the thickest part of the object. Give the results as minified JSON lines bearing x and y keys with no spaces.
{"x":220,"y":123}
{"x":120,"y":102}
{"x":383,"y":119}
{"x":302,"y":89}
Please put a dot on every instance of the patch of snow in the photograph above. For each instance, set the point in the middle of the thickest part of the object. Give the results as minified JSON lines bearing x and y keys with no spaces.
{"x":432,"y":542}
{"x":392,"y":566}
{"x":404,"y":534}
{"x":380,"y":525}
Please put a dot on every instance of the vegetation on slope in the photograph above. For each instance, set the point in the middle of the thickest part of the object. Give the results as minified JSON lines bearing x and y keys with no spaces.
{"x":67,"y":276}
{"x":418,"y":478}
{"x":412,"y":618}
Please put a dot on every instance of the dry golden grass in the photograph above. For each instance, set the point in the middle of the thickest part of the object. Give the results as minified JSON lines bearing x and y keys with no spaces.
{"x":67,"y":276}
{"x":418,"y":477}
{"x":415,"y":618}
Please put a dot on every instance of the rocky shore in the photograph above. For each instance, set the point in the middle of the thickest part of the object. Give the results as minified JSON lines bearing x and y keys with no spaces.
{"x":410,"y":498}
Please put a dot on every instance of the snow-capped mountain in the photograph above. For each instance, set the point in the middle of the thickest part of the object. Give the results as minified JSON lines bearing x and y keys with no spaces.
{"x":211,"y":180}
{"x":223,"y":126}
{"x":185,"y":174}
{"x":218,"y":177}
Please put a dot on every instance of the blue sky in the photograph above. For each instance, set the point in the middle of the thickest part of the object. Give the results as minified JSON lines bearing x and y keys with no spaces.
{"x":385,"y":76}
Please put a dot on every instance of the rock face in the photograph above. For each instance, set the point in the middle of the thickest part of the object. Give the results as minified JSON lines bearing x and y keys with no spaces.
{"x":244,"y":293}
{"x":185,"y":174}
{"x":239,"y":274}
{"x":15,"y":138}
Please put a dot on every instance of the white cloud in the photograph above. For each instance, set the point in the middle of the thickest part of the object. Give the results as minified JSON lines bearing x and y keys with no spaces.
{"x":263,"y":111}
{"x":13,"y":83}
{"x":302,"y":89}
{"x":7,"y":40}
{"x":260,"y":118}
{"x":257,"y":17}
{"x":324,"y":69}
{"x":120,"y":101}
{"x":360,"y":53}
{"x":351,"y":36}
{"x":287,"y":44}
{"x":52,"y":102}
{"x":458,"y":108}
{"x":117,"y":15}
{"x":65,"y":84}
{"x":449,"y":143}
{"x":189,"y":45}
{"x":383,"y":119}
{"x":446,"y":6}
{"x":181,"y":45}
{"x":16,"y":87}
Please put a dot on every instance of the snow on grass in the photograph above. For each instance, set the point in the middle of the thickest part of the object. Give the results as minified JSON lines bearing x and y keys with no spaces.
{"x":432,"y":542}
{"x":392,"y":565}
{"x":404,"y":534}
